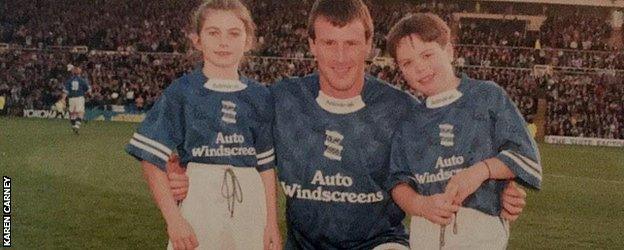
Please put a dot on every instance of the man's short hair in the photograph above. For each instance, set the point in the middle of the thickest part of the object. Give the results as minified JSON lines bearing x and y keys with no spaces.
{"x":340,"y":13}
{"x":427,"y":26}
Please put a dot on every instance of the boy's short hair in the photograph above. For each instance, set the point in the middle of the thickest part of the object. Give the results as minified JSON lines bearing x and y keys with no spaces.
{"x":340,"y":13}
{"x":427,"y":26}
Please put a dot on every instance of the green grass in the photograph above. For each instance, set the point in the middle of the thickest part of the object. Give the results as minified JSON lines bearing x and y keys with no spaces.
{"x":86,"y":192}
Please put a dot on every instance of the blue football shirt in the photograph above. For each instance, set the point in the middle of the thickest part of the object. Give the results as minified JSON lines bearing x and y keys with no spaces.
{"x":457,"y":129}
{"x":76,"y":86}
{"x":332,"y":164}
{"x":208,"y":121}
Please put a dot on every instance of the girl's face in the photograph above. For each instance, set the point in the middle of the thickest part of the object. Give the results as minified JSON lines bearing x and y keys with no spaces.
{"x":426,"y":66}
{"x":222,"y":39}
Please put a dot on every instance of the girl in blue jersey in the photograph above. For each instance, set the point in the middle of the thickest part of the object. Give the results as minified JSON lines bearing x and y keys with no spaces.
{"x":452,"y":158}
{"x":220,"y":125}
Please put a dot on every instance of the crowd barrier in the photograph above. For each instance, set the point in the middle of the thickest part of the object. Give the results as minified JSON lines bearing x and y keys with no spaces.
{"x":90,"y":115}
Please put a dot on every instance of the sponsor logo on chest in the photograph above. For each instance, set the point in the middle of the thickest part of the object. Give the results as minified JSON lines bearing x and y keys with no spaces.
{"x":225,"y":145}
{"x":449,"y":162}
{"x":442,"y":171}
{"x":335,"y":188}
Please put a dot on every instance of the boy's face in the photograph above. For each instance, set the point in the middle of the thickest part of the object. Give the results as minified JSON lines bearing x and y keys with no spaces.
{"x":222,"y":39}
{"x":426,"y":66}
{"x":340,"y":53}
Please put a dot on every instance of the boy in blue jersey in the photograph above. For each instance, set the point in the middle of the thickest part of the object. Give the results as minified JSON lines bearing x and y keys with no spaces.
{"x":75,"y":90}
{"x":333,"y":133}
{"x":451,"y":158}
{"x":220,"y":125}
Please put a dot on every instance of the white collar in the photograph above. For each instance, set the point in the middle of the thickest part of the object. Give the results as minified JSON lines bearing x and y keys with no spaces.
{"x":339,"y":106}
{"x":224,"y":85}
{"x":443,"y":99}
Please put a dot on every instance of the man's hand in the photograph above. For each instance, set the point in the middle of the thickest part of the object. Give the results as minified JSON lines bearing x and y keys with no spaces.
{"x":514,"y":200}
{"x":178,"y":180}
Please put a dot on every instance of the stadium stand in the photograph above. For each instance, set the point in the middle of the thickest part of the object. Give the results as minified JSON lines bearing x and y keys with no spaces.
{"x":136,"y":48}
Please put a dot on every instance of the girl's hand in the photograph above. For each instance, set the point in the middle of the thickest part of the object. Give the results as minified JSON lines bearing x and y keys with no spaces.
{"x":181,"y":234}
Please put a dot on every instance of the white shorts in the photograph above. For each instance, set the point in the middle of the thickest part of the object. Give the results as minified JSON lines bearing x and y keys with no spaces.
{"x":206,"y":209}
{"x":475,"y":230}
{"x":77,"y":104}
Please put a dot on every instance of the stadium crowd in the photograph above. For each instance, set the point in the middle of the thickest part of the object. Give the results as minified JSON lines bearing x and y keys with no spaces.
{"x":37,"y":77}
{"x":522,"y":57}
{"x":103,"y":25}
{"x":153,"y":27}
{"x":575,"y":31}
{"x":588,"y":104}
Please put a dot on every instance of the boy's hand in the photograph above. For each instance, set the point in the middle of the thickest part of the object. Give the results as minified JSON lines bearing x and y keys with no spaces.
{"x":468,"y":181}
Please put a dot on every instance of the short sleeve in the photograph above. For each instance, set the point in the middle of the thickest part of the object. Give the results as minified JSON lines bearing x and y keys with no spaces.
{"x":515,"y":146}
{"x":161,"y":131}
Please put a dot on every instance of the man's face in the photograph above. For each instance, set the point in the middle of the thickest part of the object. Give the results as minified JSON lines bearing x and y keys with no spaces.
{"x":341,"y":56}
{"x":426,"y":66}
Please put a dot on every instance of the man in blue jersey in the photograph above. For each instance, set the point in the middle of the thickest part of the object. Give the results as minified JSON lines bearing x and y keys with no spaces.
{"x":333,"y":180}
{"x":332,"y":132}
{"x":75,"y":90}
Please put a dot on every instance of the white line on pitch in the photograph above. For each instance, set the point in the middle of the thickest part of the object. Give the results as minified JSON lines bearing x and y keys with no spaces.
{"x":584,"y":178}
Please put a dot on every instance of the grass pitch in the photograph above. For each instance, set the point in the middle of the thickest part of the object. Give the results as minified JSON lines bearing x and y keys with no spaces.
{"x":85,"y":192}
